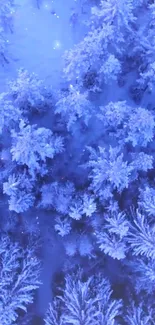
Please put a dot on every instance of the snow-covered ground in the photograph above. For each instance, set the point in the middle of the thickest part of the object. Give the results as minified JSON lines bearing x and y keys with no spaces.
{"x":40,"y":38}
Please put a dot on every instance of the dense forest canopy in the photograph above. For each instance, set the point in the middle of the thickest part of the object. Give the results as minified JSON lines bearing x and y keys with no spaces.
{"x":77,"y":132}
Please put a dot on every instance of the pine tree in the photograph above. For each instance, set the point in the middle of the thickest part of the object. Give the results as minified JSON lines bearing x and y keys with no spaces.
{"x":140,"y":127}
{"x":90,"y":55}
{"x":79,"y":305}
{"x":143,"y":275}
{"x":74,"y":105}
{"x":57,"y":196}
{"x":138,"y":316}
{"x":141,"y":236}
{"x":53,"y":314}
{"x":127,"y":124}
{"x":62,"y":226}
{"x":19,"y":278}
{"x":9,"y":114}
{"x":147,"y":200}
{"x":27,"y":92}
{"x":108,"y":168}
{"x":19,"y":188}
{"x":31,"y":146}
{"x":85,"y":302}
{"x":118,"y":13}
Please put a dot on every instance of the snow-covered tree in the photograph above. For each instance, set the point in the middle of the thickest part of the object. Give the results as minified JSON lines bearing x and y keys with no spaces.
{"x":141,"y":161}
{"x":81,"y":58}
{"x":141,"y":51}
{"x":77,"y":297}
{"x":67,"y":202}
{"x":137,"y":315}
{"x":113,"y":206}
{"x":117,"y":223}
{"x":92,"y":54}
{"x":9,"y":114}
{"x":89,"y":205}
{"x":19,"y":278}
{"x":118,"y":13}
{"x":81,"y":204}
{"x":114,"y":113}
{"x":108,"y":168}
{"x":70,"y":245}
{"x":146,"y":79}
{"x":111,"y":237}
{"x":79,"y":244}
{"x":85,"y":302}
{"x":74,"y":105}
{"x":143,"y":275}
{"x":85,"y":246}
{"x":110,"y":69}
{"x":128,"y":124}
{"x":140,"y":127}
{"x":76,"y":209}
{"x":141,"y":236}
{"x":27,"y":91}
{"x":140,"y":3}
{"x":112,"y":246}
{"x":54,"y":314}
{"x":57,"y":196}
{"x":31,"y":146}
{"x":62,"y":226}
{"x":147,"y":200}
{"x":108,"y":309}
{"x":19,"y":188}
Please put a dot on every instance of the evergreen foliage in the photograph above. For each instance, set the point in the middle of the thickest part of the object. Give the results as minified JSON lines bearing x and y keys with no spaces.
{"x":31,"y":146}
{"x":10,"y":114}
{"x":137,"y":316}
{"x":87,"y":302}
{"x":53,"y":315}
{"x":19,"y":278}
{"x":143,"y":270}
{"x":57,"y":196}
{"x":108,"y":168}
{"x":90,"y":206}
{"x":129,"y":125}
{"x":20,"y":190}
{"x":141,"y":236}
{"x":27,"y":91}
{"x":62,"y":226}
{"x":73,"y":105}
{"x":147,"y":200}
